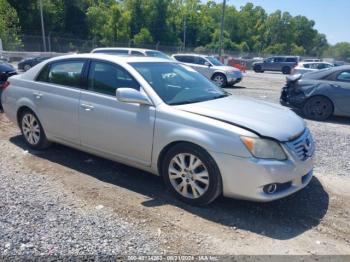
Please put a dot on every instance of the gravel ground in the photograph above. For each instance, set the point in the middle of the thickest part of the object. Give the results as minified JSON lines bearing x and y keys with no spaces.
{"x":65,"y":202}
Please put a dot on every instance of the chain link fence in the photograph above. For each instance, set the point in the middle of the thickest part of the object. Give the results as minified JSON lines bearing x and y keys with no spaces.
{"x":32,"y":45}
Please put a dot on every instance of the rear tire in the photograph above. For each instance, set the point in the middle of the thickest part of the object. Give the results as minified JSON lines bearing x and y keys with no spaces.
{"x":191,"y":174}
{"x":318,"y":108}
{"x":27,"y":67}
{"x":32,"y":131}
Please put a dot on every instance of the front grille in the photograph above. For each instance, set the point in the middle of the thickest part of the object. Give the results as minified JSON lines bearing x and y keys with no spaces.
{"x":303,"y":147}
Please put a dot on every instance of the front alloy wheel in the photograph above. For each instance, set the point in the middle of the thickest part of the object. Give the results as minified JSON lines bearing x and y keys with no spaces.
{"x":220,"y":80}
{"x":191,"y":174}
{"x":188,"y":175}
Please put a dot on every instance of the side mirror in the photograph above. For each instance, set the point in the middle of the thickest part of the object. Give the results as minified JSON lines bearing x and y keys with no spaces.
{"x":207,"y":64}
{"x":130,"y":95}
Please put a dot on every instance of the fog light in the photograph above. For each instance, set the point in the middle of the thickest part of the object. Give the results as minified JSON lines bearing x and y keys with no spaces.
{"x":270,"y":188}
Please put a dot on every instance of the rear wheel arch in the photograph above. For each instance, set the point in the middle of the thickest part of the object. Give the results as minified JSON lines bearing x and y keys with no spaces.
{"x":20,"y":112}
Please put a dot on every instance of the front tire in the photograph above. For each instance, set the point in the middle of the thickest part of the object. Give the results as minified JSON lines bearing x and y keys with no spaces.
{"x":191,"y":174}
{"x":318,"y":108}
{"x":286,"y":70}
{"x":220,"y":79}
{"x":32,"y":131}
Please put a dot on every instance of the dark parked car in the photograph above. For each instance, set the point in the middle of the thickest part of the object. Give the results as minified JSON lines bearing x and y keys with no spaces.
{"x":319,"y":94}
{"x":6,"y":70}
{"x":283,"y":64}
{"x":28,"y":63}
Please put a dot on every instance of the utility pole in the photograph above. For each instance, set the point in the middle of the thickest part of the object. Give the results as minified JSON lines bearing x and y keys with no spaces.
{"x":222,"y":27}
{"x":185,"y":27}
{"x":42,"y":23}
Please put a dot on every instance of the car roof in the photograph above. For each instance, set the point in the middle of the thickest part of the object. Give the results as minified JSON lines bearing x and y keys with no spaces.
{"x":198,"y":55}
{"x":316,"y":62}
{"x":122,"y":48}
{"x":111,"y":58}
{"x":325,"y":72}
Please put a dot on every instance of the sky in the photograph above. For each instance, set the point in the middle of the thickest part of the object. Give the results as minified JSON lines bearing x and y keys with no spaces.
{"x":332,"y":17}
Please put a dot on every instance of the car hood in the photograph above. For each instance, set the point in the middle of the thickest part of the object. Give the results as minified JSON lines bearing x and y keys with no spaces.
{"x":226,"y":68}
{"x":263,"y":118}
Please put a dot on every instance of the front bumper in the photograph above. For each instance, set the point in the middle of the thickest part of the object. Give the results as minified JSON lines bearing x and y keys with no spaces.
{"x":247,"y":178}
{"x":291,"y":98}
{"x":234,"y":78}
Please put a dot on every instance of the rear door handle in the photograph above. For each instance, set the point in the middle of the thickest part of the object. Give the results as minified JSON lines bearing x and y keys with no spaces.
{"x":37,"y":95}
{"x":87,"y":107}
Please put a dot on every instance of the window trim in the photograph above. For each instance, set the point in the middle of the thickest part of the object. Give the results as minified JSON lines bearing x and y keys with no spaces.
{"x":49,"y":64}
{"x":87,"y":71}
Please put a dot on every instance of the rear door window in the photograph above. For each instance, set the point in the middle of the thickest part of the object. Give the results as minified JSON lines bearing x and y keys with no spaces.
{"x":106,"y":78}
{"x":185,"y":59}
{"x":66,"y":73}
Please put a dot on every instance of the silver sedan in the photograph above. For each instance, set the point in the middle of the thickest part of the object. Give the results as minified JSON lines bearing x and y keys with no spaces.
{"x":165,"y":118}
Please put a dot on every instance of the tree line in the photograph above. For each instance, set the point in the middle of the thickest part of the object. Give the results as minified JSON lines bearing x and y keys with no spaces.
{"x":247,"y":29}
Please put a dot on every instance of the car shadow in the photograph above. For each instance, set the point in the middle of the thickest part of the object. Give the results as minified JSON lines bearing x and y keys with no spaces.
{"x":281,"y":219}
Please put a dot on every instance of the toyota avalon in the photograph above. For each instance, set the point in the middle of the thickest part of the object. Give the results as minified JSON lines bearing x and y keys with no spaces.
{"x":166,"y":118}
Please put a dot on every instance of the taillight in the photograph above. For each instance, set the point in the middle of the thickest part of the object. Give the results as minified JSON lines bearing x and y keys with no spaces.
{"x":5,"y":85}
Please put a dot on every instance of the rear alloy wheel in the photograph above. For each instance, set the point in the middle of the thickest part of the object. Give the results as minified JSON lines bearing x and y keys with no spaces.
{"x":191,"y":174}
{"x":220,"y":80}
{"x":318,"y":108}
{"x":32,"y":131}
{"x":27,"y":67}
{"x":286,"y":70}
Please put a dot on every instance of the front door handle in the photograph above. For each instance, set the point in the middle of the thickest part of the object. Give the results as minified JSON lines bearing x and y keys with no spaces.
{"x":87,"y":107}
{"x":37,"y":95}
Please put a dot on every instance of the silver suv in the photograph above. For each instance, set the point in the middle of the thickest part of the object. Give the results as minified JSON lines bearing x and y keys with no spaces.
{"x":284,"y":64}
{"x":211,"y":68}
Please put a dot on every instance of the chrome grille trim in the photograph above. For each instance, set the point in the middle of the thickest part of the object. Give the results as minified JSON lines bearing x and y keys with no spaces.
{"x":303,"y":147}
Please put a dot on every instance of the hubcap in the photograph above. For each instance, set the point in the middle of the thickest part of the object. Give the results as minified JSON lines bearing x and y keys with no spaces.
{"x":219,"y":80}
{"x":188,"y":175}
{"x":31,"y":129}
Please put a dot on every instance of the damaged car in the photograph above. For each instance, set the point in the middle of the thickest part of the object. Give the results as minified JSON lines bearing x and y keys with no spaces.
{"x":319,"y":95}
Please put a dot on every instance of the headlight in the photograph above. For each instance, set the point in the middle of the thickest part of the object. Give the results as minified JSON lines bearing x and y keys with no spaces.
{"x":264,"y":148}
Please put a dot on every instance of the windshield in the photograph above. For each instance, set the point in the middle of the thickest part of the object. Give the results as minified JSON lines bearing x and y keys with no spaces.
{"x":214,"y":61}
{"x":157,"y":54}
{"x":178,"y":84}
